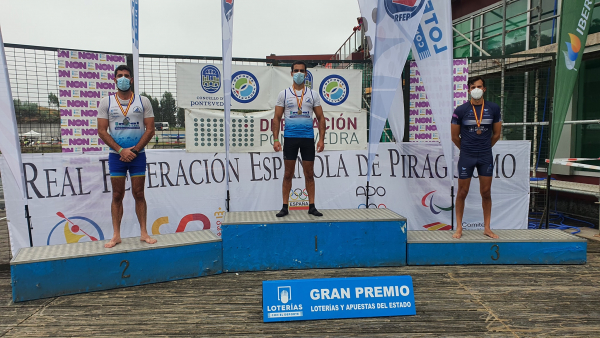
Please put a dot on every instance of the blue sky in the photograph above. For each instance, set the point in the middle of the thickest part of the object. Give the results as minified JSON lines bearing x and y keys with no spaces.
{"x":181,"y":27}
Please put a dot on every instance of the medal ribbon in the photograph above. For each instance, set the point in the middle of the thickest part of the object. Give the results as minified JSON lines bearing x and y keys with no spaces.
{"x":120,"y":106}
{"x":475,"y":113}
{"x":299,"y":101}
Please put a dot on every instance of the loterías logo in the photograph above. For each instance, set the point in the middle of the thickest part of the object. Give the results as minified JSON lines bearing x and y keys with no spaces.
{"x":403,"y":10}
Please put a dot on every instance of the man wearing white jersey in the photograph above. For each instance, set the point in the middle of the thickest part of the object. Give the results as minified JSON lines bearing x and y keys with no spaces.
{"x":131,"y":122}
{"x":298,"y":103}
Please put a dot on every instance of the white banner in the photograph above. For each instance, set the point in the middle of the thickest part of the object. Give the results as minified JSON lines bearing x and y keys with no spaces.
{"x":199,"y":86}
{"x":135,"y":44}
{"x":397,"y":23}
{"x":251,"y":132}
{"x":83,"y":79}
{"x":433,"y":50}
{"x":257,"y":87}
{"x":10,"y":146}
{"x":227,"y":36}
{"x":185,"y":191}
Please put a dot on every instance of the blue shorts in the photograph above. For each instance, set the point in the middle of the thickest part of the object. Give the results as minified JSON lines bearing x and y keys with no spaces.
{"x":118,"y":168}
{"x":467,"y":162}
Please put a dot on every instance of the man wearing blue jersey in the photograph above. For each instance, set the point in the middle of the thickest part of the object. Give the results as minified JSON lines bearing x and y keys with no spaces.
{"x":476,"y":127}
{"x":298,"y":103}
{"x":131,"y":122}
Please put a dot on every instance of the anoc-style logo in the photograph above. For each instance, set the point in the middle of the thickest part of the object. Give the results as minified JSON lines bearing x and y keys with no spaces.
{"x":228,"y":9}
{"x":431,"y":204}
{"x":403,"y":10}
{"x":334,"y":90}
{"x":308,"y":81}
{"x":75,"y":229}
{"x":298,"y":199}
{"x":572,"y":52}
{"x":210,"y":79}
{"x":244,"y":87}
{"x":284,"y":294}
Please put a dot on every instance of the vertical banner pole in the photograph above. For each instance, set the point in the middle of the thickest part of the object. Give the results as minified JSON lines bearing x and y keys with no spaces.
{"x":135,"y":40}
{"x":227,"y":34}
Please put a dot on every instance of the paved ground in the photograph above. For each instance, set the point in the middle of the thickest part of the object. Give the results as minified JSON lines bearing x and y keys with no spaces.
{"x":451,"y":301}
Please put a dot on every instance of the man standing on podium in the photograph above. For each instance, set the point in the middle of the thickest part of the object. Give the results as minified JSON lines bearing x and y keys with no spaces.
{"x":476,"y":127}
{"x":298,"y":103}
{"x":131,"y":122}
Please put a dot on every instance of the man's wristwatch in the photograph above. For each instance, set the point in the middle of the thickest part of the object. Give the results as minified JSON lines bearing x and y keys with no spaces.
{"x":135,"y":152}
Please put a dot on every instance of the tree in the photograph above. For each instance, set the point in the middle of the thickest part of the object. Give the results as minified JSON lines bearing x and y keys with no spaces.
{"x":168,"y":108}
{"x":155,"y":107}
{"x":52,"y":100}
{"x":181,"y":117}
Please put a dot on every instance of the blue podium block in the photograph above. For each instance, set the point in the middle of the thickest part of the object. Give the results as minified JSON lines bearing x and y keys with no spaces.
{"x":57,"y":270}
{"x":542,"y":246}
{"x":255,"y":241}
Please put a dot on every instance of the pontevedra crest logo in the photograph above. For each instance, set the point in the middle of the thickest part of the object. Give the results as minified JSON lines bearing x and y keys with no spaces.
{"x":403,"y":10}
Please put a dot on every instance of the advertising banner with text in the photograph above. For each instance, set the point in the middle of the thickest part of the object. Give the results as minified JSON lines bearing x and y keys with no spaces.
{"x":83,"y":79}
{"x":252,"y":131}
{"x":186,"y":191}
{"x":199,"y":86}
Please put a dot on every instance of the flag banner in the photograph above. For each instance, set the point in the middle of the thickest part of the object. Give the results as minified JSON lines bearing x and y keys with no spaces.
{"x":227,"y":36}
{"x":10,"y":147}
{"x":251,"y":132}
{"x":575,"y":20}
{"x":433,"y":51}
{"x":397,"y":23}
{"x":83,"y":79}
{"x":368,"y":12}
{"x":186,"y":191}
{"x":135,"y":40}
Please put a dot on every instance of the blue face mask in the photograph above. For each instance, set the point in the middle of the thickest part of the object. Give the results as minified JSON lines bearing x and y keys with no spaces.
{"x":299,"y":78}
{"x":123,"y":84}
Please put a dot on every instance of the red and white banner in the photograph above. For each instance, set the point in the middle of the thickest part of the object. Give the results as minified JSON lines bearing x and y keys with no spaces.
{"x":186,"y":191}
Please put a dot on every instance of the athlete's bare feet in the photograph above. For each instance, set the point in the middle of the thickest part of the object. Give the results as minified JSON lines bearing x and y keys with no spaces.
{"x":597,"y":235}
{"x":457,"y":234}
{"x":147,"y":239}
{"x":490,"y":234}
{"x":114,"y":241}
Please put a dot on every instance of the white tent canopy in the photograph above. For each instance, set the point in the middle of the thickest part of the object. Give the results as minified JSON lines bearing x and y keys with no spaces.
{"x":32,"y":133}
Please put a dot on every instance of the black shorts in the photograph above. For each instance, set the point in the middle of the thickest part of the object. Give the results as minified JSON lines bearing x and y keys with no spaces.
{"x":467,"y":162}
{"x":291,"y":145}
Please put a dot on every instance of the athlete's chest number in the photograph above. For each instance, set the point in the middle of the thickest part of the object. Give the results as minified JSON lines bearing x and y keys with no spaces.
{"x":495,"y":252}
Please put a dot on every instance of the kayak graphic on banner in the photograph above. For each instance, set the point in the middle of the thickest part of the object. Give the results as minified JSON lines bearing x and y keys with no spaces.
{"x":257,"y":87}
{"x":83,"y":79}
{"x":422,"y":125}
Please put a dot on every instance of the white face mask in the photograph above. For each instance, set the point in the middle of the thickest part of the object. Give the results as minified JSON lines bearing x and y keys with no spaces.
{"x":477,"y":93}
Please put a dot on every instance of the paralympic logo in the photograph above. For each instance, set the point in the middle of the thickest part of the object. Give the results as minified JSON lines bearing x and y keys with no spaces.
{"x":334,"y":90}
{"x":210,"y":79}
{"x":572,"y":52}
{"x":403,"y":10}
{"x":431,"y":204}
{"x":244,"y":87}
{"x":75,"y":229}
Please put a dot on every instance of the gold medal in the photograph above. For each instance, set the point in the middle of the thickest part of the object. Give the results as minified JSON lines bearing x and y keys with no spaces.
{"x":299,"y":101}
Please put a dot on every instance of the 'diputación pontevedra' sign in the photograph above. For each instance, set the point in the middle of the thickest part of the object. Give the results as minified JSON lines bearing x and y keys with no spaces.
{"x":310,"y":299}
